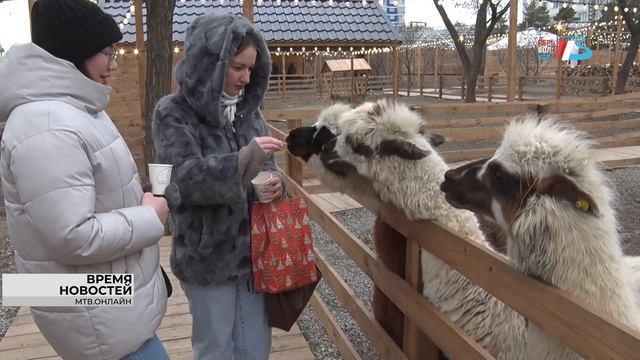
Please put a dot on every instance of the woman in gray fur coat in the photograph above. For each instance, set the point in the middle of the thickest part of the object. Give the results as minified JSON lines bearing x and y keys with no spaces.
{"x":212,"y":132}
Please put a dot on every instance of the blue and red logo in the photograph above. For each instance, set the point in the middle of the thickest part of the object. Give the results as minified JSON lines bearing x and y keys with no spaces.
{"x":569,"y":48}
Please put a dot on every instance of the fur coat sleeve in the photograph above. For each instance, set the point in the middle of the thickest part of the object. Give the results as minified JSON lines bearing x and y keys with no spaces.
{"x":196,"y":179}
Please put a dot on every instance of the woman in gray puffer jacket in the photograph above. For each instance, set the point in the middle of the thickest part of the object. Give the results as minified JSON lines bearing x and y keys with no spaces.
{"x":74,"y":202}
{"x":212,"y":132}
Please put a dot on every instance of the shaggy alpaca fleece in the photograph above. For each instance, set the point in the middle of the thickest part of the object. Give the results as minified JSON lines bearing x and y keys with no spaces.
{"x":413,"y":186}
{"x":574,"y":250}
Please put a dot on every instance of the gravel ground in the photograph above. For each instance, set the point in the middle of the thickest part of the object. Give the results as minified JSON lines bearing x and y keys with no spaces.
{"x":7,"y":265}
{"x":360,"y":222}
{"x":626,"y":182}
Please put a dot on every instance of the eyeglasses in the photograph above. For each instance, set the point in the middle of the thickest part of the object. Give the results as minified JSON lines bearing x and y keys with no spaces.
{"x":112,"y":55}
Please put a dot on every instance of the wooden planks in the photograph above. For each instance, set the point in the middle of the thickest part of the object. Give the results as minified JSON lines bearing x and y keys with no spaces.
{"x":427,"y":318}
{"x":24,"y":341}
{"x":332,"y":202}
{"x":588,"y":331}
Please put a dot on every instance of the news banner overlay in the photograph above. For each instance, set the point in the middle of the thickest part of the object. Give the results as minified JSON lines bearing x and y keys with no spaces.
{"x":67,"y":289}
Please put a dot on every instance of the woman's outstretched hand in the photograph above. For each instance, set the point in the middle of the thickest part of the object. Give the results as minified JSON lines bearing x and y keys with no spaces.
{"x":269,"y":144}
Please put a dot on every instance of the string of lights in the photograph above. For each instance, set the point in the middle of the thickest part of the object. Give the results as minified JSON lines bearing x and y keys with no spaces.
{"x":601,"y":32}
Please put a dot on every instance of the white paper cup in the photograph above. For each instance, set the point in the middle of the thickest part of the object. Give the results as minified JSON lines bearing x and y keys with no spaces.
{"x":160,"y":177}
{"x":259,"y":183}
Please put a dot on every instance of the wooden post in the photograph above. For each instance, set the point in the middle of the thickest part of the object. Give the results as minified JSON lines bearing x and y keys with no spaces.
{"x":247,"y":9}
{"x":353,"y":87}
{"x":605,"y":86}
{"x":284,"y":77}
{"x":617,"y":53}
{"x":141,"y":57}
{"x":396,"y":71}
{"x":490,"y":89}
{"x":521,"y":81}
{"x":331,"y":85}
{"x":294,"y":166}
{"x":420,"y":68}
{"x":421,"y":84}
{"x":435,"y":69}
{"x":512,"y":50}
{"x":318,"y":73}
{"x":462,"y":87}
{"x":414,"y":343}
{"x":440,"y":84}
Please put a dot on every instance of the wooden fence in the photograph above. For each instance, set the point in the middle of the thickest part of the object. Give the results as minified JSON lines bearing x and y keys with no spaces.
{"x":474,"y":130}
{"x":490,"y":87}
{"x":574,"y":323}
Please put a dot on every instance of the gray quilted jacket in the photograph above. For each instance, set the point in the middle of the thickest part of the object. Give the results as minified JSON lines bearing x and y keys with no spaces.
{"x":72,"y":196}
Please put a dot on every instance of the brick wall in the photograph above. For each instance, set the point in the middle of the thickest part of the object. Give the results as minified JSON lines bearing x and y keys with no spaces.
{"x":124,"y":107}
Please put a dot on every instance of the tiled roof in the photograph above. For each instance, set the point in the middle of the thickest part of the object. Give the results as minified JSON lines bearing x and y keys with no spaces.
{"x":286,"y":22}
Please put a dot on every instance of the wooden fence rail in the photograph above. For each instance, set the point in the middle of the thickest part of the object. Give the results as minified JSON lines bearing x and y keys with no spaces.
{"x":574,"y":323}
{"x":469,"y":123}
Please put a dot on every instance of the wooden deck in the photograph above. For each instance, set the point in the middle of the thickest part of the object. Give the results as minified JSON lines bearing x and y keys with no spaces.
{"x":619,"y":156}
{"x":332,"y":202}
{"x":24,"y":341}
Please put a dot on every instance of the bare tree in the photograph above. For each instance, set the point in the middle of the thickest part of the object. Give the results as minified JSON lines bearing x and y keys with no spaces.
{"x":410,"y":35}
{"x":487,"y":16}
{"x":528,"y":61}
{"x":632,"y":20}
{"x":159,"y":62}
{"x":380,"y":64}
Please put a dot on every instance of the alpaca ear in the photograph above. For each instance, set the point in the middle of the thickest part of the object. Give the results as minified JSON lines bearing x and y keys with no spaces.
{"x":436,"y":139}
{"x":401,"y":148}
{"x":560,"y":187}
{"x":358,"y":147}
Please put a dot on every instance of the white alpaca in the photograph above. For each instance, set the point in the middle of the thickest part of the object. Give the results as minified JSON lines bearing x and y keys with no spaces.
{"x":387,"y":144}
{"x":553,"y":201}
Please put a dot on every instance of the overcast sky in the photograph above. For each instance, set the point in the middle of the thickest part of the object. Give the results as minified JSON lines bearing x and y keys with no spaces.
{"x":14,"y":20}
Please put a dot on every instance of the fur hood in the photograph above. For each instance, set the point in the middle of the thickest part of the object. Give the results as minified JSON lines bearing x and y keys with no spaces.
{"x":211,"y":43}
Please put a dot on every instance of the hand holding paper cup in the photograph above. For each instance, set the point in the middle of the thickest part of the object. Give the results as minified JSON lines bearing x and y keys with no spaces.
{"x":259,"y":184}
{"x":160,"y":177}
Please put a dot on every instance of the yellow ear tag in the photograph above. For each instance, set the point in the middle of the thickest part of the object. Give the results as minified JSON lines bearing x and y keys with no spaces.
{"x":582,"y":204}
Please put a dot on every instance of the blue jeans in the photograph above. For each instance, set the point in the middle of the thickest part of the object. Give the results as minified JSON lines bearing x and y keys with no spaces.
{"x":229,"y":321}
{"x":152,"y":349}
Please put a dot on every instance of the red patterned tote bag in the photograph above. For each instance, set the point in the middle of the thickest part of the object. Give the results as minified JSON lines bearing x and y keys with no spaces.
{"x":281,"y":246}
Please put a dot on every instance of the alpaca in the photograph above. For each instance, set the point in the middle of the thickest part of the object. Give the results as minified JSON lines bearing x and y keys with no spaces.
{"x":545,"y":190}
{"x":306,"y":143}
{"x":388,"y":144}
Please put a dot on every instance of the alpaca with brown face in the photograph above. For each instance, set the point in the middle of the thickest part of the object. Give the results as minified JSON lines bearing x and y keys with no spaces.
{"x":548,"y":194}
